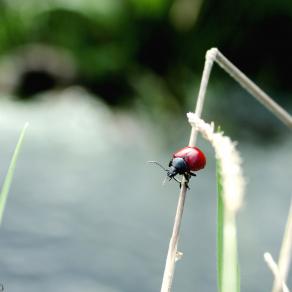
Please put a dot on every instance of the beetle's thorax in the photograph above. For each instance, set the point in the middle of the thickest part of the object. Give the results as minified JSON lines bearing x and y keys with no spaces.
{"x":177,"y":166}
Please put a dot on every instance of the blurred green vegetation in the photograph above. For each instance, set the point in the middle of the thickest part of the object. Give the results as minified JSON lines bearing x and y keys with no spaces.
{"x":145,"y":53}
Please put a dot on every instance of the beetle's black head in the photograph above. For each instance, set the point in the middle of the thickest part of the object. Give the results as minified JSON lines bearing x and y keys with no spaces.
{"x":177,"y":166}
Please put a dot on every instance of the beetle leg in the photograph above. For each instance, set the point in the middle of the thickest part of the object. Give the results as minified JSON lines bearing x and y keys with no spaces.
{"x":177,"y":180}
{"x":174,"y":178}
{"x":192,"y":174}
{"x":187,"y":177}
{"x":186,"y":183}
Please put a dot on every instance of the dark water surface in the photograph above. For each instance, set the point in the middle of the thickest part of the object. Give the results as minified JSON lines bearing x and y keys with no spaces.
{"x":87,"y":213}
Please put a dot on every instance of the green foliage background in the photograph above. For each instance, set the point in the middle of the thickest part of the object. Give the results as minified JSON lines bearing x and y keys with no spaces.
{"x":149,"y":55}
{"x":115,"y":45}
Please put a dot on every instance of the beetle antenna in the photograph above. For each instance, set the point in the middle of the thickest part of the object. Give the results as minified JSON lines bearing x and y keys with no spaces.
{"x":158,"y":165}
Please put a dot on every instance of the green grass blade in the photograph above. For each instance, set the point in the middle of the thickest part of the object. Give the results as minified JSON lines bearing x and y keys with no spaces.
{"x":238,"y":276}
{"x":220,"y":225}
{"x":229,"y":259}
{"x":9,"y":176}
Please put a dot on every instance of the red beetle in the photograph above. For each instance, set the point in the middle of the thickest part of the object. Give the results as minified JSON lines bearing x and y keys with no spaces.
{"x":185,"y":161}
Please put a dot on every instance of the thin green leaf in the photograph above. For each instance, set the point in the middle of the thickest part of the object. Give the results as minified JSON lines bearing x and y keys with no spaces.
{"x":9,"y":176}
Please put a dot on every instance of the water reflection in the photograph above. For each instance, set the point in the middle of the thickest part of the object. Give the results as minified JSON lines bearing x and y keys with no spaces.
{"x":86,"y":213}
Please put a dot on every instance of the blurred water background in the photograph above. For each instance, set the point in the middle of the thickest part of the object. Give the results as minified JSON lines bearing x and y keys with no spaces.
{"x":105,"y":86}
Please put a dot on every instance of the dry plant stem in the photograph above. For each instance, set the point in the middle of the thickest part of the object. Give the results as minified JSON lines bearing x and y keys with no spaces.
{"x":253,"y":89}
{"x":213,"y":55}
{"x":210,"y":57}
{"x":172,"y":249}
{"x":285,"y":254}
{"x":275,"y":270}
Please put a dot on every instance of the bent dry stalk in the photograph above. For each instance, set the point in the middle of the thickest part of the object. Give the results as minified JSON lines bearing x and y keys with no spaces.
{"x":280,"y":270}
{"x":213,"y":55}
{"x":275,"y":270}
{"x":172,"y":249}
{"x":285,"y":252}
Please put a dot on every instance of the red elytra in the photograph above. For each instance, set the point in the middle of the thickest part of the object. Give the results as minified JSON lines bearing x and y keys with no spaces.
{"x":193,"y":156}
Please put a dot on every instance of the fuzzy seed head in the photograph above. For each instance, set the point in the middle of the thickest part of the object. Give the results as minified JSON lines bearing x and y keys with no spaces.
{"x":230,"y":162}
